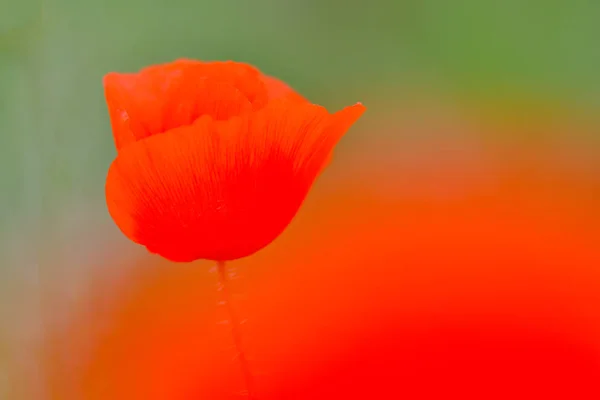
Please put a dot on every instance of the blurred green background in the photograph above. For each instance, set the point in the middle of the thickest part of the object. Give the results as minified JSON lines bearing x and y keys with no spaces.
{"x":54,"y":130}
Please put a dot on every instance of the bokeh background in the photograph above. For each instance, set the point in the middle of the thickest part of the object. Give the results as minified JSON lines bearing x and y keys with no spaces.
{"x":469,"y":193}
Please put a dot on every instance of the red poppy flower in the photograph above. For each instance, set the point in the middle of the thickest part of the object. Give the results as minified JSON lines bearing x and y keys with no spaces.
{"x":214,"y":159}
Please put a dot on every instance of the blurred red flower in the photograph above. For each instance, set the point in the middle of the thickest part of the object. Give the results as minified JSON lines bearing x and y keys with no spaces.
{"x":214,"y":159}
{"x":479,"y":298}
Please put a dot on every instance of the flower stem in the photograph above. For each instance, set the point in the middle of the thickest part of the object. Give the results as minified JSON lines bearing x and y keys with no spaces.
{"x":235,"y":329}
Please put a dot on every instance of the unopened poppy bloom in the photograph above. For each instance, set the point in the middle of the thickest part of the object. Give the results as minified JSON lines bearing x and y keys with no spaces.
{"x":214,"y":158}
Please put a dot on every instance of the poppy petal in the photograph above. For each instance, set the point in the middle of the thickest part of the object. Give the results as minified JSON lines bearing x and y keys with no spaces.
{"x":188,"y":84}
{"x":222,"y":190}
{"x":220,"y":100}
{"x":167,"y":96}
{"x":132,"y":117}
{"x":345,"y":118}
{"x":136,"y":102}
{"x":276,"y":89}
{"x":341,"y":122}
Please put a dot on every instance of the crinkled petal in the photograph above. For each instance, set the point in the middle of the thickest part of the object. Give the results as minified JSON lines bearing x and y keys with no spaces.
{"x":217,"y":99}
{"x":135,"y":110}
{"x":166,"y":96}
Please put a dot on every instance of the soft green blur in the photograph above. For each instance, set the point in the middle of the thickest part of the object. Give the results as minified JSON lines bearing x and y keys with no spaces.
{"x":56,"y":143}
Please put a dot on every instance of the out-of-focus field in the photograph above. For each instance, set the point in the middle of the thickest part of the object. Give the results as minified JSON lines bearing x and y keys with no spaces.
{"x":479,"y":109}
